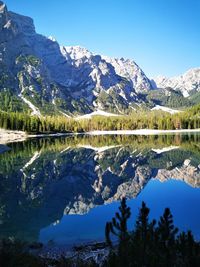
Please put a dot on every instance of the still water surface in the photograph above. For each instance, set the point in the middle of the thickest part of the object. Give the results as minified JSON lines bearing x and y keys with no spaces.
{"x":65,"y":189}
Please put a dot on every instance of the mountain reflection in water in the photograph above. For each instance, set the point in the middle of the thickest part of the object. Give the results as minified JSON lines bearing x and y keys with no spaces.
{"x":42,"y":180}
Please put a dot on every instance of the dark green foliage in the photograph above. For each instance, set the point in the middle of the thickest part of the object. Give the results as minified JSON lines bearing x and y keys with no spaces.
{"x":112,"y":102}
{"x":143,"y":236}
{"x":166,"y":233}
{"x":14,"y":254}
{"x":151,"y":244}
{"x":34,"y":124}
{"x":118,"y":225}
{"x":189,"y":119}
{"x":28,"y":59}
{"x":73,"y":106}
{"x":195,"y":98}
{"x":167,"y":97}
{"x":11,"y":103}
{"x":166,"y":229}
{"x":188,"y":249}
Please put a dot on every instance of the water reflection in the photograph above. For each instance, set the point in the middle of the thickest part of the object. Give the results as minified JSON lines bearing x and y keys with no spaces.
{"x":43,"y":179}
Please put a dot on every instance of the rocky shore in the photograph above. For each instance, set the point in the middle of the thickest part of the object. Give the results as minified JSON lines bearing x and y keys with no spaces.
{"x":7,"y":136}
{"x":97,"y":252}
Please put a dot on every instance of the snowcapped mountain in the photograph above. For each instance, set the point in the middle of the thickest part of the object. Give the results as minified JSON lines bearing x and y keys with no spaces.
{"x":187,"y":83}
{"x":39,"y":76}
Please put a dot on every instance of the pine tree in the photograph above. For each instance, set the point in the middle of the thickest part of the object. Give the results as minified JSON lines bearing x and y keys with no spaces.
{"x":143,"y":235}
{"x":118,"y":227}
{"x":167,"y":234}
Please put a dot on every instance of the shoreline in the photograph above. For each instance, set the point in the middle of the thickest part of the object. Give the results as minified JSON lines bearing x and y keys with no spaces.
{"x":10,"y":136}
{"x":97,"y":251}
{"x":141,"y":132}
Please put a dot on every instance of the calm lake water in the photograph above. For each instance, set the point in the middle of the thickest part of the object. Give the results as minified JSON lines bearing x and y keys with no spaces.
{"x":65,"y":189}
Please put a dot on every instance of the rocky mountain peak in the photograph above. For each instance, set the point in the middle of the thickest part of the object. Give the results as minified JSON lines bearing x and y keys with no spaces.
{"x":3,"y":7}
{"x":3,"y":14}
{"x":131,"y":71}
{"x":15,"y":23}
{"x":77,"y":52}
{"x":186,"y":83}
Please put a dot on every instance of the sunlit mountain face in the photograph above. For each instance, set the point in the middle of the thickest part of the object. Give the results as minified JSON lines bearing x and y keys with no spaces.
{"x":41,"y":77}
{"x":47,"y":183}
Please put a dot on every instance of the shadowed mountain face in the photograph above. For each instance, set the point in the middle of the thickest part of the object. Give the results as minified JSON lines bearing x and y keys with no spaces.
{"x":42,"y":179}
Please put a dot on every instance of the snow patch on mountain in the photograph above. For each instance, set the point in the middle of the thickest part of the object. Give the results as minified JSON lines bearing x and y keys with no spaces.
{"x":97,"y":113}
{"x":166,"y":109}
{"x":53,"y":39}
{"x":35,"y":110}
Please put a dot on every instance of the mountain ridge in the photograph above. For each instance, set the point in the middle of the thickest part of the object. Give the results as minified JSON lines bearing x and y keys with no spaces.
{"x":185,"y":83}
{"x":41,"y":77}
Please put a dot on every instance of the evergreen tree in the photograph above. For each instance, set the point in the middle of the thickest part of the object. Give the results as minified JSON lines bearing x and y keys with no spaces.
{"x":118,"y":227}
{"x":167,"y":234}
{"x":143,"y":236}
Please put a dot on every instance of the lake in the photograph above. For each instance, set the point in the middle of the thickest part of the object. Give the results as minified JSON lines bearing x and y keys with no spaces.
{"x":65,"y":189}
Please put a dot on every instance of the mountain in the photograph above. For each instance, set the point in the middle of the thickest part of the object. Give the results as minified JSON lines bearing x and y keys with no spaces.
{"x":49,"y":78}
{"x":97,"y":80}
{"x":39,"y":76}
{"x":167,"y":97}
{"x":131,"y":71}
{"x":187,"y":83}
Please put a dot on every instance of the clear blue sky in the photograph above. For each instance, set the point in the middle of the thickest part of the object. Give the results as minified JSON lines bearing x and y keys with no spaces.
{"x":162,"y":36}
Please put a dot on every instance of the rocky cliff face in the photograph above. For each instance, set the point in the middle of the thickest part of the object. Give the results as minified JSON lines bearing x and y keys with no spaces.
{"x":187,"y":173}
{"x":187,"y":83}
{"x":62,"y":79}
{"x":131,"y":71}
{"x":52,"y":79}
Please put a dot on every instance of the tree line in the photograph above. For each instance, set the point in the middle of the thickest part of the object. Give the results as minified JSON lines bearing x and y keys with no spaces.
{"x":189,"y":119}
